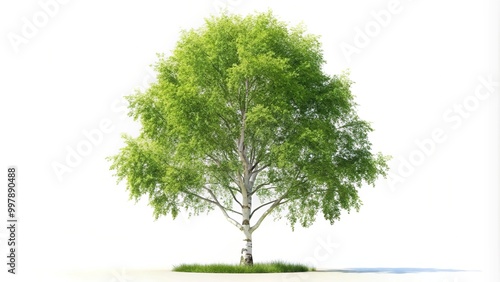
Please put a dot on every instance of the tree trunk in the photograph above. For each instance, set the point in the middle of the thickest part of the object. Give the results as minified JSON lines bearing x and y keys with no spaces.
{"x":246,"y":251}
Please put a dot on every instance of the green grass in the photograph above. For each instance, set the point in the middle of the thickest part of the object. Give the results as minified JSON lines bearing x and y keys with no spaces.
{"x":273,"y":267}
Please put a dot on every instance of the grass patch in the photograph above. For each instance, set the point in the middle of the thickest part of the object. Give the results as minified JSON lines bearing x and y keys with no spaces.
{"x":272,"y":267}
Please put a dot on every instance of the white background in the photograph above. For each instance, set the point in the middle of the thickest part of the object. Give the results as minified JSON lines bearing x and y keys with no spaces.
{"x":68,"y":76}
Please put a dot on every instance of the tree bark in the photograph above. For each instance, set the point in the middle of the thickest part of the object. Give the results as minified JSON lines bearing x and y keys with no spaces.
{"x":246,"y":185}
{"x":246,"y":251}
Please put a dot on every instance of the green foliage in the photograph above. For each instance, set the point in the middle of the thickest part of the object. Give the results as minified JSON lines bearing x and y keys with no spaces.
{"x":247,"y":96}
{"x":273,"y":267}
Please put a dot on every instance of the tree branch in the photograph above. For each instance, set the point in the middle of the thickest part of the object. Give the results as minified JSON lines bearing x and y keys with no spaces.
{"x":228,"y":218}
{"x":267,"y":212}
{"x":217,"y":203}
{"x":260,"y":169}
{"x":256,"y":163}
{"x":234,"y":197}
{"x":219,"y":163}
{"x":261,"y":206}
{"x":225,"y":121}
{"x":200,"y":197}
{"x":349,"y":123}
{"x":252,"y":157}
{"x":241,"y":144}
{"x":261,"y":186}
{"x":222,"y":208}
{"x":214,"y":159}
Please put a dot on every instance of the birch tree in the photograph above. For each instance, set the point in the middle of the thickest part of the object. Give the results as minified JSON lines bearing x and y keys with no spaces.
{"x":242,"y":119}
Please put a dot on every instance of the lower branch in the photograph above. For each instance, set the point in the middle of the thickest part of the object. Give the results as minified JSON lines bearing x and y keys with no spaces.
{"x":261,"y":206}
{"x":268,"y":211}
{"x":221,"y":207}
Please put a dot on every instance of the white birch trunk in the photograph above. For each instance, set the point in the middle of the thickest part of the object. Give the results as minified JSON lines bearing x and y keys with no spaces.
{"x":246,"y":251}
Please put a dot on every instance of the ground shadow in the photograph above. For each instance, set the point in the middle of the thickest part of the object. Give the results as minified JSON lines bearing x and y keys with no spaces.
{"x":399,"y":270}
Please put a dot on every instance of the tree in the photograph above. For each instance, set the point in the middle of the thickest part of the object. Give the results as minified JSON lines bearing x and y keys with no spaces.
{"x":242,"y":113}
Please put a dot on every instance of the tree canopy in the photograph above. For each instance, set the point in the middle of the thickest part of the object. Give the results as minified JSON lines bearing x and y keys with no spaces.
{"x":242,"y":108}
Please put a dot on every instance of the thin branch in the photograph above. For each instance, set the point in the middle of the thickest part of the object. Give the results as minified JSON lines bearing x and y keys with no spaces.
{"x":267,"y":212}
{"x":350,"y":123}
{"x":224,"y":209}
{"x":214,"y":159}
{"x":200,"y":197}
{"x":234,"y":197}
{"x":236,"y":212}
{"x":261,"y":169}
{"x":261,"y":206}
{"x":284,"y":202}
{"x":255,"y":165}
{"x":261,"y":186}
{"x":269,"y":188}
{"x":225,"y":121}
{"x":228,"y":218}
{"x":216,"y":202}
{"x":219,"y":163}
